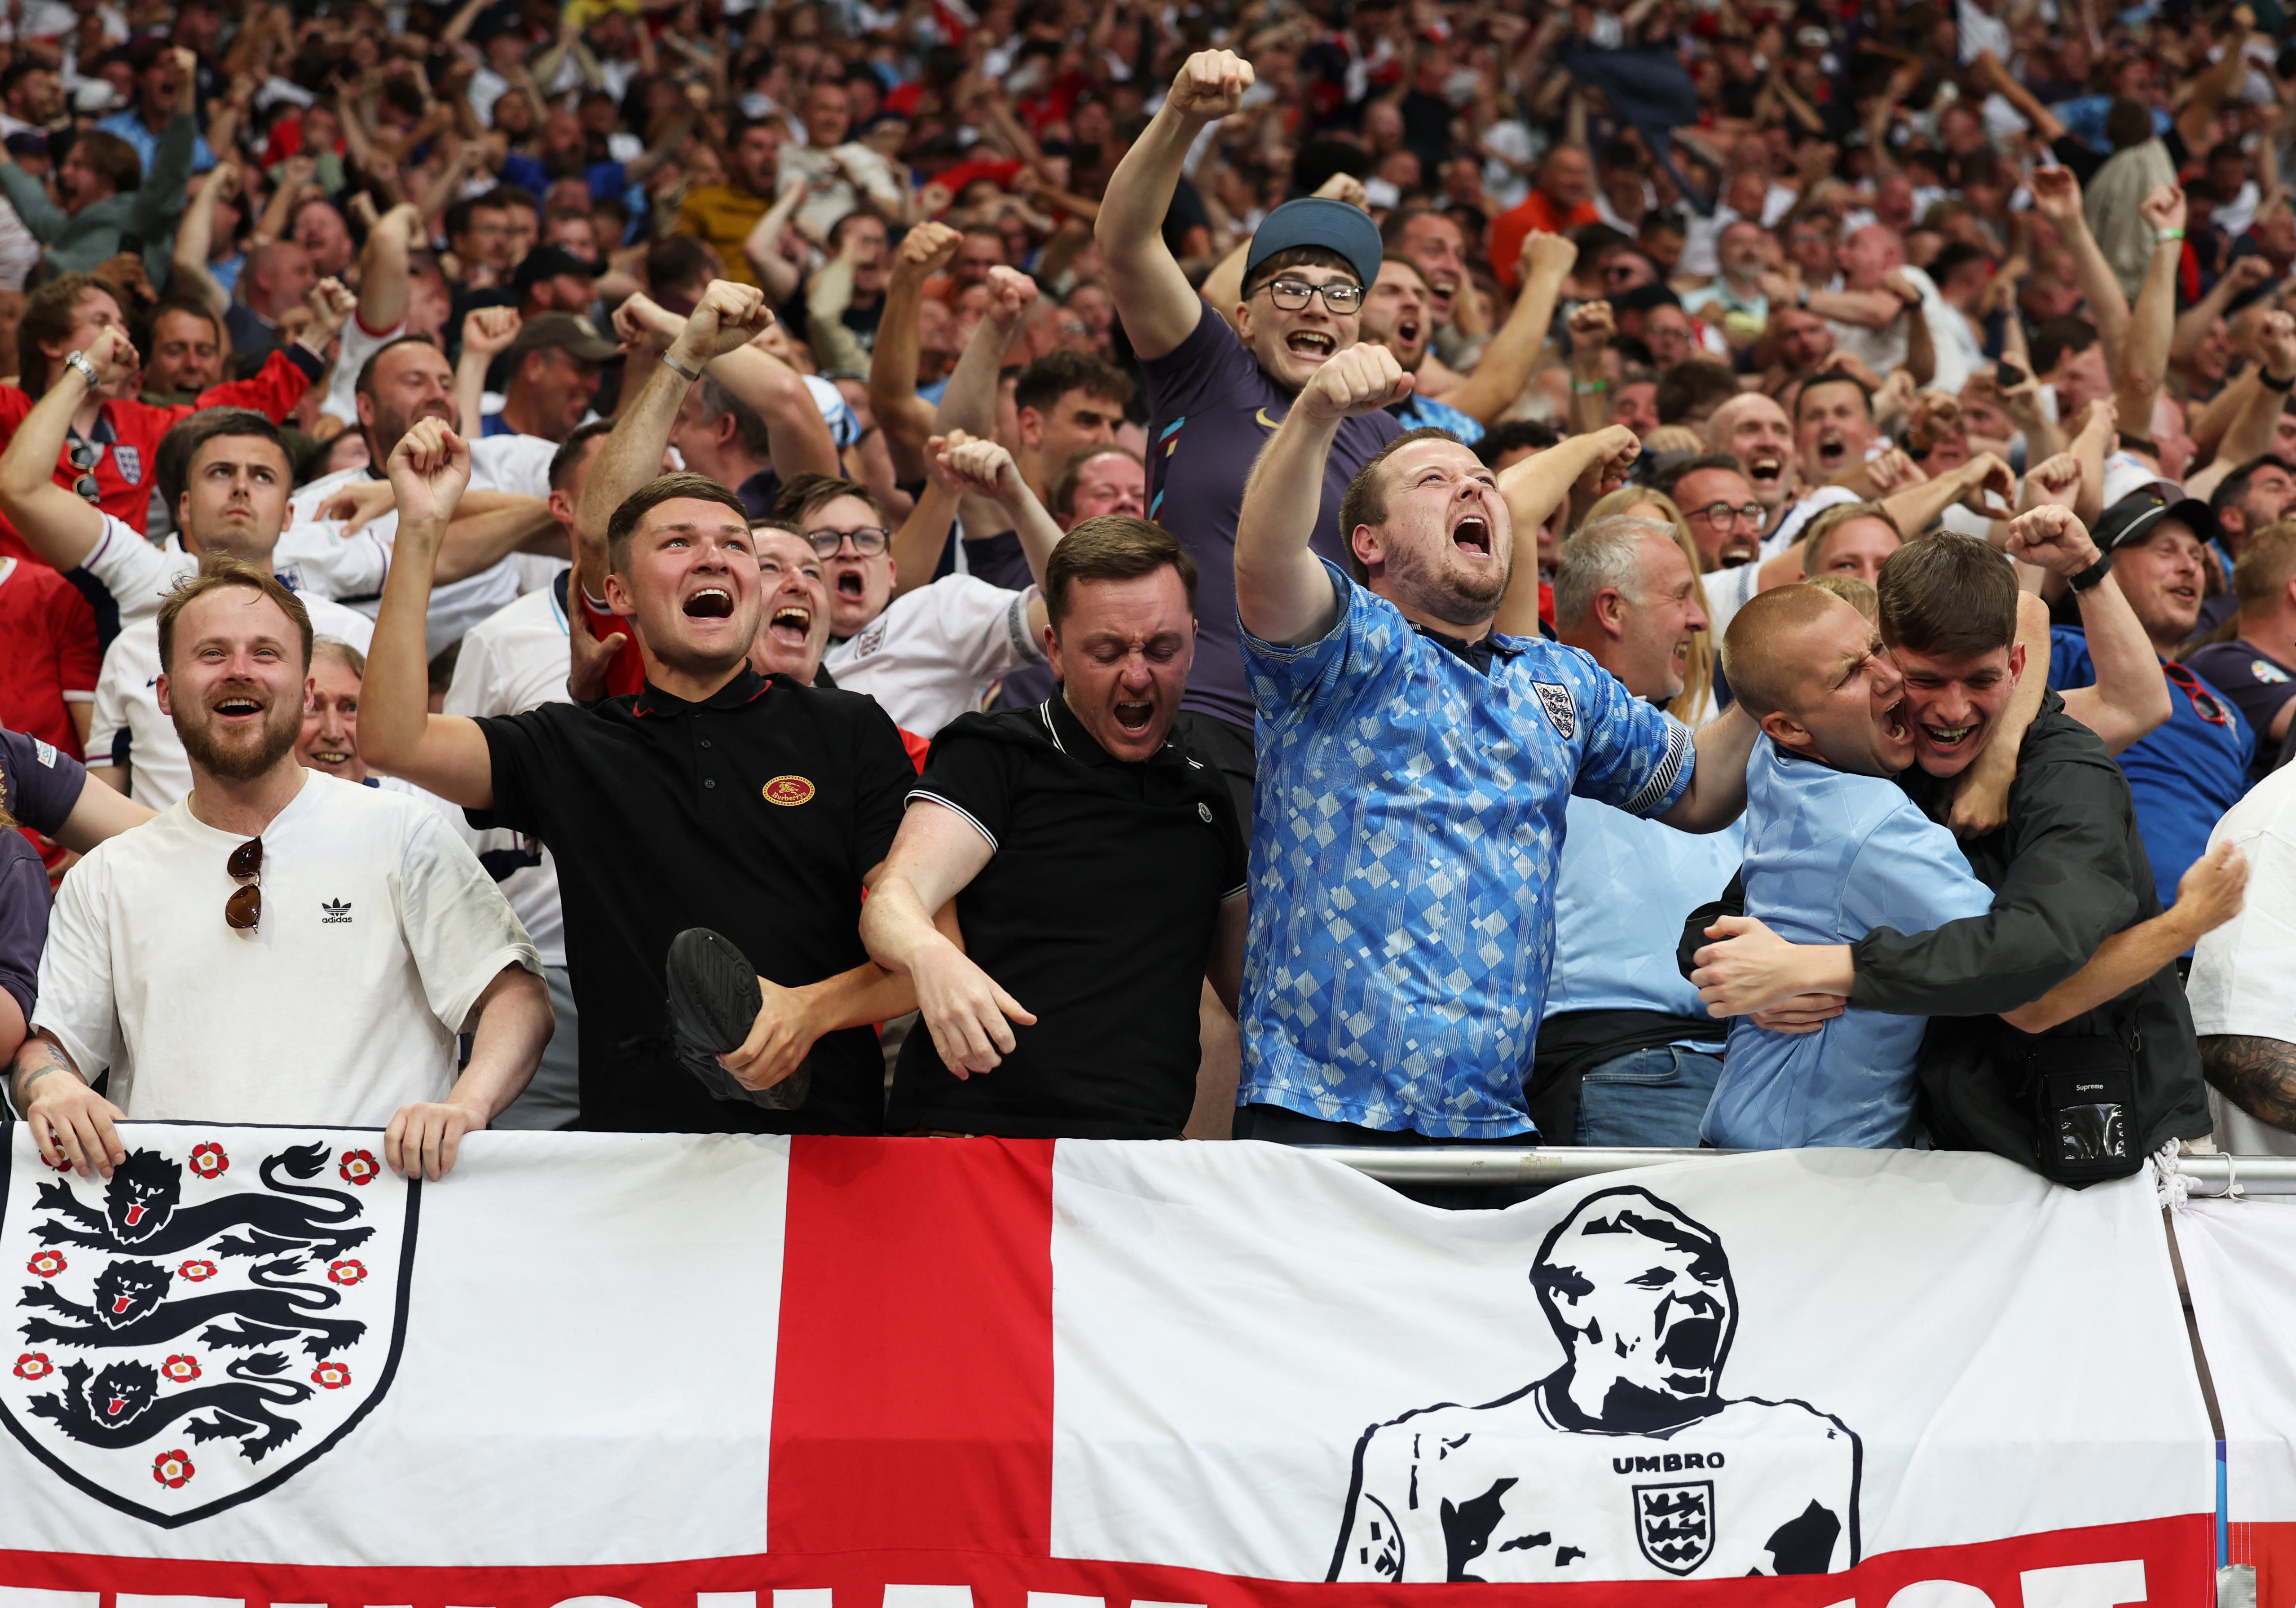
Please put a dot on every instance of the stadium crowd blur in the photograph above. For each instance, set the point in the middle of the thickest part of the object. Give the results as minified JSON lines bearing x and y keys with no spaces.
{"x":1351,"y":572}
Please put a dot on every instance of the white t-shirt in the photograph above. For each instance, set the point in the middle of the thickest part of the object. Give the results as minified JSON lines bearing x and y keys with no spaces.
{"x":511,"y":662}
{"x":2241,"y":971}
{"x":359,"y":344}
{"x":513,"y":463}
{"x":379,"y":933}
{"x":127,"y":725}
{"x":314,"y":562}
{"x":934,"y":651}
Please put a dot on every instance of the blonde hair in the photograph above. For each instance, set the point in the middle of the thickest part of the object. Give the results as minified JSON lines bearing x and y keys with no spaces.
{"x":1694,"y":704}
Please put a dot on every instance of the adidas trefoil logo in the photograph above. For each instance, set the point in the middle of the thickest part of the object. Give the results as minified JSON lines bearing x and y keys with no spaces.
{"x":333,"y":911}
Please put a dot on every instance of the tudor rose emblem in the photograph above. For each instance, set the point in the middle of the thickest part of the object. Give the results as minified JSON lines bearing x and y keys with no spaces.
{"x":221,"y":1311}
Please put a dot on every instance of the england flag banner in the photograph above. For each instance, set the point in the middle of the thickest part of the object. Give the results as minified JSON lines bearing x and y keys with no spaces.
{"x":2240,"y":1266}
{"x":256,"y":1367}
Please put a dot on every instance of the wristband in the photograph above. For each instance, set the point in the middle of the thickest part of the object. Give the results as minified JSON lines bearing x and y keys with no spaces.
{"x":2090,"y":577}
{"x":1588,"y":388}
{"x":87,"y":370}
{"x":2264,"y":378}
{"x":675,"y":367}
{"x":2161,"y":237}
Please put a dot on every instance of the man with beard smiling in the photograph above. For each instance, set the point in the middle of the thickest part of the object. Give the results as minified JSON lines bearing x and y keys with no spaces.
{"x":1212,"y":402}
{"x":1417,"y":771}
{"x":2075,"y":959}
{"x":1097,"y":871}
{"x":1833,"y":850}
{"x":278,"y":947}
{"x":714,"y":798}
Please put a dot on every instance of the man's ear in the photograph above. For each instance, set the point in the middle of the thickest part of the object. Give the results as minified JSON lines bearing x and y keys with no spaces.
{"x":162,"y":686}
{"x":310,"y":693}
{"x":1610,"y":612}
{"x":1032,"y":426}
{"x":617,"y":595}
{"x":1368,"y":547}
{"x":1785,"y":730}
{"x":2016,"y":662}
{"x":1053,"y":650}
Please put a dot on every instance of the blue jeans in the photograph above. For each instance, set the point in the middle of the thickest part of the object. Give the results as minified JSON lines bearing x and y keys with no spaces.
{"x":1652,"y":1097}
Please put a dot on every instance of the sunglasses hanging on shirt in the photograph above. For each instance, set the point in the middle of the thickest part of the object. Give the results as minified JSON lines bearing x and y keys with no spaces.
{"x":245,"y":908}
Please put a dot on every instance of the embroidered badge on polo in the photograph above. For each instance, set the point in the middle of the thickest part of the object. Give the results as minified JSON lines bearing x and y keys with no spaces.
{"x":130,"y":459}
{"x":787,"y":790}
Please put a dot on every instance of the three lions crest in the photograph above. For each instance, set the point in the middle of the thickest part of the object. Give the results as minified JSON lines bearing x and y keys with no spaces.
{"x":184,"y":1335}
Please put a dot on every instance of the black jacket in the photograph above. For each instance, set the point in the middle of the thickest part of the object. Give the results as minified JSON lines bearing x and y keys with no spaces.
{"x":2067,"y":871}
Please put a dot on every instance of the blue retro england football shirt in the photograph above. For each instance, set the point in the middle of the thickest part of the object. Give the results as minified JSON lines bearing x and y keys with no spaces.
{"x":1406,"y":829}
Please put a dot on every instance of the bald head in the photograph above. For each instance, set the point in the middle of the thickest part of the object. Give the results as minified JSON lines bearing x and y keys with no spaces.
{"x":1758,"y":655}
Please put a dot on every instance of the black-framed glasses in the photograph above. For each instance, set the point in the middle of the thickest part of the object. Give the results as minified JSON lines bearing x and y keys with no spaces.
{"x":1292,"y":294}
{"x":1722,"y":514}
{"x":244,"y":908}
{"x":868,"y":541}
{"x":2206,"y":704}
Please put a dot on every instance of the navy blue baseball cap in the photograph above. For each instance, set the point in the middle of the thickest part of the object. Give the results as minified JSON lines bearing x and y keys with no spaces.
{"x":1317,"y":220}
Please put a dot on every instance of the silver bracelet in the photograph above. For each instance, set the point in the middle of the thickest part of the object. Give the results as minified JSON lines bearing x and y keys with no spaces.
{"x":87,"y":370}
{"x":675,"y":367}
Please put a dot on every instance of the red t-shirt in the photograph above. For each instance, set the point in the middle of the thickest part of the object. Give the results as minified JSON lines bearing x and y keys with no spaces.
{"x":48,"y":662}
{"x":1535,"y":212}
{"x":123,"y":467}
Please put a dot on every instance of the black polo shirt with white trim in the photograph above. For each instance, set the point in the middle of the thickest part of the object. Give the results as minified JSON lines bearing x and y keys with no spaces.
{"x":1096,"y":912}
{"x":757,"y":812}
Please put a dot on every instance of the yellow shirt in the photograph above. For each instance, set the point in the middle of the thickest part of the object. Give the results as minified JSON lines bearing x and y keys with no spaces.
{"x":723,"y":216}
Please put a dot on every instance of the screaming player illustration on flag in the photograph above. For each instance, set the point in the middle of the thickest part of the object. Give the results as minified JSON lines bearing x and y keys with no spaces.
{"x":1627,"y":1462}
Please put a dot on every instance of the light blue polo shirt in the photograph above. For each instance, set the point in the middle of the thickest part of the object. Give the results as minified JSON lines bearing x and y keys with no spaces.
{"x":1407,"y":823}
{"x":1625,"y":887}
{"x":1829,"y":858}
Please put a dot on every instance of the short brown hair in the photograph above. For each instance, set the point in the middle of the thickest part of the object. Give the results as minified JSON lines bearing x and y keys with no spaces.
{"x":1113,"y":546}
{"x":216,"y":573}
{"x":808,"y":494}
{"x":652,"y":495}
{"x":329,"y":647}
{"x":1064,"y":490}
{"x":1948,"y":595}
{"x":1814,"y":535}
{"x":2268,"y":564}
{"x":1366,"y":502}
{"x":110,"y":156}
{"x":48,"y":316}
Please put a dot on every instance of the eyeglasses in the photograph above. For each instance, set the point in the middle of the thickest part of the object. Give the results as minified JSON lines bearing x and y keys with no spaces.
{"x":1722,"y":514}
{"x":83,"y":454}
{"x":868,"y":541}
{"x":1292,"y":294}
{"x":2205,"y":703}
{"x":244,"y":908}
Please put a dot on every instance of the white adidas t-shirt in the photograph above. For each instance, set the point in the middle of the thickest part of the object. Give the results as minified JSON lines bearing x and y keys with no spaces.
{"x":379,"y":932}
{"x":934,"y":651}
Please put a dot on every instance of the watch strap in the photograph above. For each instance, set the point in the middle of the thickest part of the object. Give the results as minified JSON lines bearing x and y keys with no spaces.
{"x":2090,"y":577}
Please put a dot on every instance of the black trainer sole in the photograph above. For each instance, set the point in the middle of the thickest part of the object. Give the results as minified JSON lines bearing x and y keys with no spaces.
{"x":714,"y":1001}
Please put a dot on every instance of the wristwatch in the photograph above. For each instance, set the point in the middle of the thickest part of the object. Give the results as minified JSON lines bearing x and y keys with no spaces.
{"x":2094,"y":574}
{"x":78,"y":360}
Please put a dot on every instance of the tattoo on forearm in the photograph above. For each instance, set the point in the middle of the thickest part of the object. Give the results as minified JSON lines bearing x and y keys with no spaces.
{"x":2259,"y":1075}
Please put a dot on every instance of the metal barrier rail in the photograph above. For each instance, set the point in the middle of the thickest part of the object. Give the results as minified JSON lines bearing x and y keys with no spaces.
{"x":2211,"y":1175}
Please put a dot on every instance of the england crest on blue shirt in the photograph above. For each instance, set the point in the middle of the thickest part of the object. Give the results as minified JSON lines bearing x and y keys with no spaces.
{"x":130,"y":459}
{"x":1560,"y":708}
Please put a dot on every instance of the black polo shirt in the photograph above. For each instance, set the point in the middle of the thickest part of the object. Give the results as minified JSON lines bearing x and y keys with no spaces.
{"x":1097,"y":913}
{"x":757,"y":812}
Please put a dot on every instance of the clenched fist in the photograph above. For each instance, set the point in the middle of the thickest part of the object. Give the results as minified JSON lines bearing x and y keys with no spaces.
{"x":1210,"y":85}
{"x":1361,"y":380}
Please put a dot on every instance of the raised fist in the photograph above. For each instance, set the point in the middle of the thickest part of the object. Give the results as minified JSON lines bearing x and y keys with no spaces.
{"x":1363,"y":378}
{"x":926,"y":250}
{"x":1210,"y":84}
{"x":726,"y":319}
{"x":489,"y":330}
{"x":2051,"y":537}
{"x":1010,"y":294}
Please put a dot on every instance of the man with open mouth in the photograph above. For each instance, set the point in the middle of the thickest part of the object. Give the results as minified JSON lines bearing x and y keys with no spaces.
{"x":715,"y":798}
{"x":1833,"y":850}
{"x":1096,"y":868}
{"x":1400,"y":316}
{"x":1215,"y":393}
{"x":1419,"y":766}
{"x":2068,"y":868}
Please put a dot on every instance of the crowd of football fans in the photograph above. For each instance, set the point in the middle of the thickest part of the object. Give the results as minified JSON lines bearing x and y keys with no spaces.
{"x":1340,"y":572}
